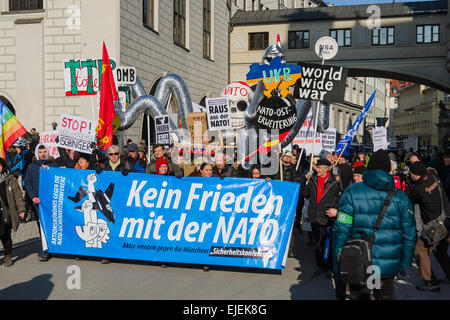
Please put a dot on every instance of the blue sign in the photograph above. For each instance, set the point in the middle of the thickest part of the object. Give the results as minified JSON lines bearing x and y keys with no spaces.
{"x":207,"y":221}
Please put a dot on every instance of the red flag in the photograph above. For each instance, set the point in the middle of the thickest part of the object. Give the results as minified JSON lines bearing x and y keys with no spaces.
{"x":108,"y":94}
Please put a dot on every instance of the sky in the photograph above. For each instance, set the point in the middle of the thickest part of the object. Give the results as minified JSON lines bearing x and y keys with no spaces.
{"x":355,"y":2}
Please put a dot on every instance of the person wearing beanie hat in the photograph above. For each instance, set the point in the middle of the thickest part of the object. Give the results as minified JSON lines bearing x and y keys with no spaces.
{"x":426,"y":193}
{"x":359,"y":209}
{"x":358,"y":174}
{"x":418,"y":169}
{"x":162,"y":167}
{"x":380,"y":161}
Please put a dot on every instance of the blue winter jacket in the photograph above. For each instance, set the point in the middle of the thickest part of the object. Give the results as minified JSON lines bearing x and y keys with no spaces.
{"x":359,"y":208}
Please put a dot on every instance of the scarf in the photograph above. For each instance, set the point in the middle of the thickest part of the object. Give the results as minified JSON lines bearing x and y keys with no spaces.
{"x":114,"y":165}
{"x":321,"y":186}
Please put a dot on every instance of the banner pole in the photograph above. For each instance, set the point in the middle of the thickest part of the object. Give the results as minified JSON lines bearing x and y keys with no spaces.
{"x":314,"y":136}
{"x":304,"y":145}
{"x":342,"y":152}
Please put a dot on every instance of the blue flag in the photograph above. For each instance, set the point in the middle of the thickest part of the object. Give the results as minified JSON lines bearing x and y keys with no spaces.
{"x":346,"y":141}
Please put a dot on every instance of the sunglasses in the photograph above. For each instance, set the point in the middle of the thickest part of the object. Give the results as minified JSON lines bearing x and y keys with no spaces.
{"x":114,"y":154}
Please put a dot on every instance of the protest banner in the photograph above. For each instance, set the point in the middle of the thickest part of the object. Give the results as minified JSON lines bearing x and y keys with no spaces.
{"x":76,"y":133}
{"x":48,"y":140}
{"x":321,"y":83}
{"x":218,"y":110}
{"x":83,"y":77}
{"x":162,"y":130}
{"x":206,"y":221}
{"x":304,"y":138}
{"x":329,"y":140}
{"x":379,"y":139}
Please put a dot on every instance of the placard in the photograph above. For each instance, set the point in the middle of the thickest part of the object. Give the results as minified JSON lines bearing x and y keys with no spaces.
{"x":321,"y":83}
{"x":48,"y":140}
{"x":126,"y":76}
{"x":76,"y":133}
{"x":218,"y":110}
{"x":328,"y":140}
{"x":304,"y":138}
{"x":379,"y":139}
{"x":84,"y":77}
{"x":162,"y":130}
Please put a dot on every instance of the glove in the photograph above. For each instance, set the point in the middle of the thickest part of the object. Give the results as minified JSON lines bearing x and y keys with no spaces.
{"x":125,"y":172}
{"x":98,"y":170}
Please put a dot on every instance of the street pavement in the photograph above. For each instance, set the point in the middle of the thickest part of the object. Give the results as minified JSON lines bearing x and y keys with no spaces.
{"x":31,"y":279}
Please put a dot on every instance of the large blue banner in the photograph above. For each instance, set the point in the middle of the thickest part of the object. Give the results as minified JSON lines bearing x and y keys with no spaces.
{"x":207,"y":221}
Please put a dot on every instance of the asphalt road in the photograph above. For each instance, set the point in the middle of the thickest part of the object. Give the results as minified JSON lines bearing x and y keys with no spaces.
{"x":31,"y":279}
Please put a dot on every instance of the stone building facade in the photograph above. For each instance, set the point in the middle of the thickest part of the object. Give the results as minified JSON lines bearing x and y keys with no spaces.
{"x":37,"y":38}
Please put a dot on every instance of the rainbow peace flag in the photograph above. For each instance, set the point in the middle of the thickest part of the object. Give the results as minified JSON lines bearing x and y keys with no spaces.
{"x":11,"y":129}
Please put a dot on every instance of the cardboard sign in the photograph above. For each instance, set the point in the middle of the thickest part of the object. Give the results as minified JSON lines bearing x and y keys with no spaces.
{"x":198,"y":126}
{"x":380,"y":139}
{"x":162,"y":130}
{"x":48,"y":140}
{"x":321,"y":83}
{"x":84,"y":77}
{"x":218,"y":110}
{"x":329,"y":140}
{"x":76,"y":133}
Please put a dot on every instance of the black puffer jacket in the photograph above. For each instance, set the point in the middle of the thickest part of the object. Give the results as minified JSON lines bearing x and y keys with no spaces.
{"x":330,"y":198}
{"x":426,"y":194}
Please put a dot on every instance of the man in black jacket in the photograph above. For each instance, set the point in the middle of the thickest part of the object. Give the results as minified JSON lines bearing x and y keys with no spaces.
{"x":427,"y":194}
{"x":323,"y":192}
{"x":31,"y":184}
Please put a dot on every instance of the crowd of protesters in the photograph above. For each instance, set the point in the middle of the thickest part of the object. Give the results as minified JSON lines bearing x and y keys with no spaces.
{"x":340,"y":197}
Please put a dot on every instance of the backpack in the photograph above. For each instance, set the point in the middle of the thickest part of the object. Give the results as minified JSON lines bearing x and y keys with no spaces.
{"x":356,"y":255}
{"x":435,"y":231}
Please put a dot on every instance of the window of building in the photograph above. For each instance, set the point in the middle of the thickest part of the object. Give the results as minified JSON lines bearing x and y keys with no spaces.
{"x":207,"y":29}
{"x":383,"y":36}
{"x":343,"y":37}
{"x":148,"y":13}
{"x":298,"y":39}
{"x":428,"y":33}
{"x":179,"y":22}
{"x":17,"y":5}
{"x":258,"y":40}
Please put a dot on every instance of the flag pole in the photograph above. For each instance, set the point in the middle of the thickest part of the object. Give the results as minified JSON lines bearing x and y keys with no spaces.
{"x":342,"y":152}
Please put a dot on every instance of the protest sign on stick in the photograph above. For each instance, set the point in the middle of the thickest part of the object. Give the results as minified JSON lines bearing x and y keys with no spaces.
{"x":76,"y":133}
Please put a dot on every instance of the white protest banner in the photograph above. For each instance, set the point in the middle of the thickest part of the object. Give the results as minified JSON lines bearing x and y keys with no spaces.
{"x":83,"y":77}
{"x":301,"y":138}
{"x":379,"y":139}
{"x":219,"y":117}
{"x":329,"y":140}
{"x":76,"y":133}
{"x":48,"y":140}
{"x":126,"y":76}
{"x":162,"y":130}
